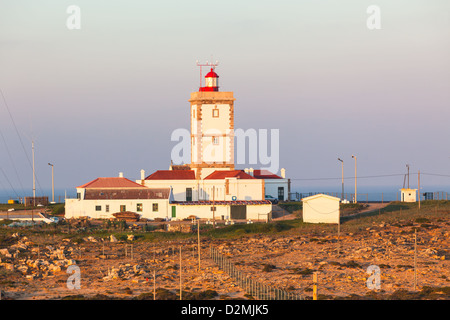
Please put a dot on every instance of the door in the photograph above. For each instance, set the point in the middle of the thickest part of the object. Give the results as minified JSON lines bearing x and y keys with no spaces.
{"x":174,"y":212}
{"x":188,"y":194}
{"x":239,"y":212}
{"x":281,"y":193}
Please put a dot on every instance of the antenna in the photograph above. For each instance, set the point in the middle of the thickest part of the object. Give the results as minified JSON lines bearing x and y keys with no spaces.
{"x":407,"y":166}
{"x":207,"y":64}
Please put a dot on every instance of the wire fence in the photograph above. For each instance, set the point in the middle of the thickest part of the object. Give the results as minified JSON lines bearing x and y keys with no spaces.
{"x":371,"y":197}
{"x":252,"y":287}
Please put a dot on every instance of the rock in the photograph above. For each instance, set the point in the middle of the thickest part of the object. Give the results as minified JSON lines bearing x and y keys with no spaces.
{"x":22,"y":268}
{"x":130,"y":237}
{"x":8,"y":266}
{"x":113,"y":238}
{"x":54,"y":268}
{"x":31,"y":276}
{"x":69,"y":262}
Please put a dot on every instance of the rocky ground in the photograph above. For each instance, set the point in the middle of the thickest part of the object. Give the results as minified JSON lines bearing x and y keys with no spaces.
{"x":36,"y":268}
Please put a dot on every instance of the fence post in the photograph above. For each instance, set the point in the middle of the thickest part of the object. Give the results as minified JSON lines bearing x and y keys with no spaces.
{"x":415,"y":259}
{"x":154,"y":284}
{"x":181,"y":292}
{"x":315,"y":286}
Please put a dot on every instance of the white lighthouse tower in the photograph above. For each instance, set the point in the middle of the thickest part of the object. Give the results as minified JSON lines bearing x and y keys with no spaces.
{"x":212,"y":128}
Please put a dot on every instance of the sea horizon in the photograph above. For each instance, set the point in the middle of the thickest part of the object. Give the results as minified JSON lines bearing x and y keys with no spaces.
{"x":364,"y":193}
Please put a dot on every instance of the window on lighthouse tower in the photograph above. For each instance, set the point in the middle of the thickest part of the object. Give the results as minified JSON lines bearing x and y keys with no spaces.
{"x":211,"y":82}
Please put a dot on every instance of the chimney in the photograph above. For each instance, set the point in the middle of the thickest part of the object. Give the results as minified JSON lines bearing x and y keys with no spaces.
{"x":246,"y":170}
{"x":142,"y":174}
{"x":120,"y":174}
{"x":283,"y":173}
{"x":251,"y":172}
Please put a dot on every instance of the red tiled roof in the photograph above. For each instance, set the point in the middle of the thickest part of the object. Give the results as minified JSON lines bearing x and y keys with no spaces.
{"x":265,"y":174}
{"x":210,"y":203}
{"x":116,"y":182}
{"x":172,"y":175}
{"x":134,"y":193}
{"x":222,"y":174}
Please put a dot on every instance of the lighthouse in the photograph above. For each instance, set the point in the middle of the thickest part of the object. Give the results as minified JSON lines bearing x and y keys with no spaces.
{"x":212,"y":128}
{"x":211,"y":82}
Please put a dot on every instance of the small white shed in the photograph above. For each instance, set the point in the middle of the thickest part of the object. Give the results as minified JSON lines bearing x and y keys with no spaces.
{"x":321,"y":208}
{"x":408,"y":195}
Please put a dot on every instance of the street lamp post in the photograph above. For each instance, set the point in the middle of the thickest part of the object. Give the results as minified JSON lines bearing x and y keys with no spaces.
{"x":342,"y":195}
{"x":53,"y":184}
{"x":356,"y":199}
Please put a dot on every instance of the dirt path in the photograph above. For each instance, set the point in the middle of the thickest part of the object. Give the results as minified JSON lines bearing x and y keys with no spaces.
{"x":370,"y":208}
{"x":279,"y":213}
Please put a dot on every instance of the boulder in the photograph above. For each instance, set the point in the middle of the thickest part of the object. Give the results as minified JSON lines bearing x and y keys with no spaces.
{"x":5,"y":252}
{"x":22,"y":268}
{"x":54,"y":268}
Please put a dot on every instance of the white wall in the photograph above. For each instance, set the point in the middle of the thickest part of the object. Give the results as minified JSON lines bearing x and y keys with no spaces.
{"x":254,"y":212}
{"x":408,"y":195}
{"x":202,"y":131}
{"x":321,"y":209}
{"x":75,"y":208}
{"x":271,"y":187}
{"x":243,"y":189}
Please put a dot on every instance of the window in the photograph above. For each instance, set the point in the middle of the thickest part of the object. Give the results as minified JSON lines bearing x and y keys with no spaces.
{"x":98,"y":208}
{"x":280,"y":193}
{"x":78,"y":195}
{"x":139,"y":207}
{"x":123,"y":208}
{"x":155,"y":207}
{"x":107,"y":207}
{"x":188,"y":194}
{"x":215,"y":140}
{"x":215,"y":113}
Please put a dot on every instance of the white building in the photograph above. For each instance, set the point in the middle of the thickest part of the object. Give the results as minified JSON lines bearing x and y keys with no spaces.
{"x":321,"y":208}
{"x":103,"y":197}
{"x":274,"y":185}
{"x":408,"y":195}
{"x":192,"y":189}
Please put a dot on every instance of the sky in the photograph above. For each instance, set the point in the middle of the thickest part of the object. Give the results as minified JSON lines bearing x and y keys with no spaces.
{"x":106,"y":98}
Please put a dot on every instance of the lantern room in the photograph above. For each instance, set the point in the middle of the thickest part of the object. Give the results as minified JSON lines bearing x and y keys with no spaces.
{"x":211,"y":82}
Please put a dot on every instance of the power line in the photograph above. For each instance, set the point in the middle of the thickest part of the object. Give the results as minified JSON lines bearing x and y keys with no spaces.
{"x":436,"y":174}
{"x":9,"y":183}
{"x":369,"y":177}
{"x":360,"y":177}
{"x":18,"y":135}
{"x":12,"y":162}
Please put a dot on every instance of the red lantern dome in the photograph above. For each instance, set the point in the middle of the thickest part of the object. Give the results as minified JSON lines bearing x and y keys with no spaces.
{"x":211,"y":82}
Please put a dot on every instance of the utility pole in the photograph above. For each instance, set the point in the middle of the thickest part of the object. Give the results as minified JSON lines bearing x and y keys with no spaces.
{"x":342,"y":195}
{"x":407,"y":166}
{"x":53,"y":184}
{"x":418,"y":191}
{"x":34,"y":175}
{"x":356,"y":199}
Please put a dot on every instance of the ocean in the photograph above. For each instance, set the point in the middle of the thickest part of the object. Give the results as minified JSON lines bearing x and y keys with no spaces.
{"x":6,"y":195}
{"x":365,"y":193}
